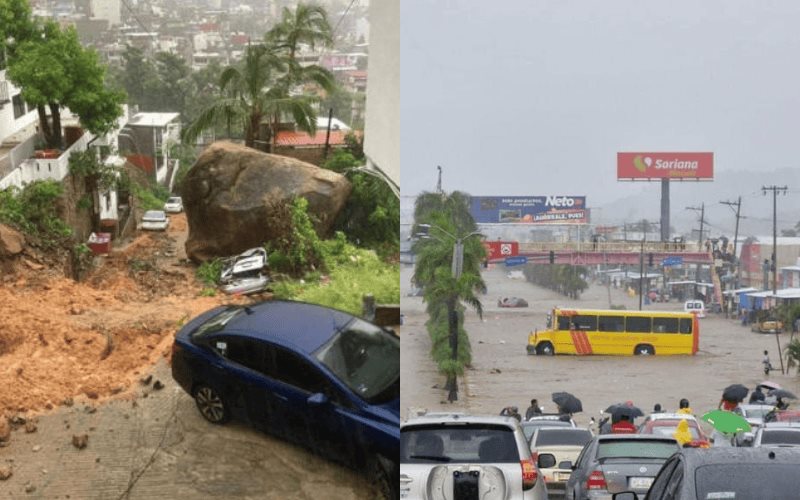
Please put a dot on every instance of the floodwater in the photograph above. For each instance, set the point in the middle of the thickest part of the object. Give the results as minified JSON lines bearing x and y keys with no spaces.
{"x":502,"y":374}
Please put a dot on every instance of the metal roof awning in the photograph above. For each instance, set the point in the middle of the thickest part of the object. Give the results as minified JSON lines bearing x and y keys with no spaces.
{"x":740,"y":290}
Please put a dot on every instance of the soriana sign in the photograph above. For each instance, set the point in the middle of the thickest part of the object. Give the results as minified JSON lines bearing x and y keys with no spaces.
{"x":632,"y":166}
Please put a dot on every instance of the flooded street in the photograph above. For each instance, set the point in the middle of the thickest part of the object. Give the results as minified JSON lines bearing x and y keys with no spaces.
{"x":502,"y":374}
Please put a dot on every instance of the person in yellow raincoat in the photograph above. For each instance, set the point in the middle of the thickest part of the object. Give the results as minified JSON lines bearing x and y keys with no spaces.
{"x":683,"y":407}
{"x":682,"y":434}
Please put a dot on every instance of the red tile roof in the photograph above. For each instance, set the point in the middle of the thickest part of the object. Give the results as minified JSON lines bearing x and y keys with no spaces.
{"x":289,"y":138}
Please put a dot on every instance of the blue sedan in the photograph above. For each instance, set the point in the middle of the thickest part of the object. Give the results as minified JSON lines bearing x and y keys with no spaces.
{"x":313,"y":375}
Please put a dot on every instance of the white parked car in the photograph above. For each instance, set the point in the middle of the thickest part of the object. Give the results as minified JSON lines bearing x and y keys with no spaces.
{"x":155,"y":220}
{"x":447,"y":456}
{"x":174,"y":205}
{"x":695,"y":306}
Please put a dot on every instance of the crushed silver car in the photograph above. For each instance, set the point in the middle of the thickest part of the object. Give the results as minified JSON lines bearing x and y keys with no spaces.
{"x":245,"y":273}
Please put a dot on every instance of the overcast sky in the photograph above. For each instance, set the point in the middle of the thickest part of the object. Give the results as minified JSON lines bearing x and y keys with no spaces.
{"x":529,"y":97}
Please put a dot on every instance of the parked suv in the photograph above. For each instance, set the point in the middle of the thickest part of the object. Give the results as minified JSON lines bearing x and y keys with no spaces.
{"x":457,"y":456}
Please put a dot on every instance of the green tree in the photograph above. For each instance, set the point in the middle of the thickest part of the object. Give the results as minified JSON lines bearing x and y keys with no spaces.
{"x":263,"y":86}
{"x":16,"y":26}
{"x":444,"y":292}
{"x":54,"y":70}
{"x":307,"y":24}
{"x":371,"y":215}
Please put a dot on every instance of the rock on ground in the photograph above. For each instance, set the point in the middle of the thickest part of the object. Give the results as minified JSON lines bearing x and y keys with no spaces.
{"x":11,"y":241}
{"x":232,"y":196}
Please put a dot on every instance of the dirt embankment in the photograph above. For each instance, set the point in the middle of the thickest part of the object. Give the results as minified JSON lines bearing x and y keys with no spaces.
{"x":62,"y":341}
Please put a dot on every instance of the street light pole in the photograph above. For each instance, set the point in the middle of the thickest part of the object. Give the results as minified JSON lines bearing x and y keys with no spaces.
{"x":456,"y":268}
{"x":774,"y":265}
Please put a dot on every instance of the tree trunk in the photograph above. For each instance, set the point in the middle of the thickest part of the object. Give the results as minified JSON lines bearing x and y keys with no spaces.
{"x":44,"y":125}
{"x":252,"y":130}
{"x":55,"y":113}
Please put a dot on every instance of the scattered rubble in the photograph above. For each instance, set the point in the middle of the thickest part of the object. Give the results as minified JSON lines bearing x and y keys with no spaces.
{"x":5,"y":472}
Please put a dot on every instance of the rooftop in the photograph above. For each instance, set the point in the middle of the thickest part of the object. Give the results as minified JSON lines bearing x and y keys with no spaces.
{"x":143,"y":119}
{"x":291,"y":138}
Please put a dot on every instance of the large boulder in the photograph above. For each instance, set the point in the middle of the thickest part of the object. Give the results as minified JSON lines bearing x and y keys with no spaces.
{"x":11,"y":242}
{"x":232,"y":192}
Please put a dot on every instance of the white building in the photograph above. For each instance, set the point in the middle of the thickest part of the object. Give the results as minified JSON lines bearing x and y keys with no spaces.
{"x":108,"y":10}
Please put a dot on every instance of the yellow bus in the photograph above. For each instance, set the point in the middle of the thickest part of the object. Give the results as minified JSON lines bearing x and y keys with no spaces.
{"x":616,"y":332}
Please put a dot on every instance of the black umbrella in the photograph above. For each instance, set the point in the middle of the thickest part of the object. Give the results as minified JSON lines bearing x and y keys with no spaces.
{"x":735,"y":392}
{"x":567,"y":403}
{"x":620,"y":409}
{"x":782,"y":393}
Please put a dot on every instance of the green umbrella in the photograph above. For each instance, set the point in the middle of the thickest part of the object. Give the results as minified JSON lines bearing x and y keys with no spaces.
{"x":725,"y":421}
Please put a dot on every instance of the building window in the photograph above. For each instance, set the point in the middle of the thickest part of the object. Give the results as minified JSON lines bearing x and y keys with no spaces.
{"x":19,"y":106}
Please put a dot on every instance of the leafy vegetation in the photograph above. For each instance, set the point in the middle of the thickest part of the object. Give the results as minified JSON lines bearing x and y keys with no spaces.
{"x":353,"y":273}
{"x":299,"y":250}
{"x":262,"y":86}
{"x":33,"y":210}
{"x":371,"y":216}
{"x":209,"y":272}
{"x":563,"y":278}
{"x":55,"y":71}
{"x":444,"y":292}
{"x":793,"y":353}
{"x":150,"y":196}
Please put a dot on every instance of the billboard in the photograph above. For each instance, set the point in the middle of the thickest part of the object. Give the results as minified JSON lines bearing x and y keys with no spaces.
{"x":633,"y":166}
{"x":529,"y":209}
{"x":501,"y":249}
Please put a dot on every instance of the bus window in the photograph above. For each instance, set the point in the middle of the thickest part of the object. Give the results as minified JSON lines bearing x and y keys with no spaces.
{"x":665,"y":325}
{"x":584,"y":322}
{"x":637,"y":324}
{"x":549,"y":321}
{"x":611,"y":324}
{"x":563,"y":322}
{"x":686,"y":325}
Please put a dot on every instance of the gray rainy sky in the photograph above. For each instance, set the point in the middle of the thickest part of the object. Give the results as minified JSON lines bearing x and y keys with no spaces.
{"x":530,"y":97}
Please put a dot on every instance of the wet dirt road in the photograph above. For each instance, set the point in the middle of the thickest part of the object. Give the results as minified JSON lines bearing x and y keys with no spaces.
{"x":159,"y":446}
{"x":729,"y":353}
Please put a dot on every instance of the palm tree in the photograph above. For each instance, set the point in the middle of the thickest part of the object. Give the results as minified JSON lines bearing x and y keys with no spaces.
{"x":306,"y":24}
{"x":449,"y":218}
{"x":265,"y":85}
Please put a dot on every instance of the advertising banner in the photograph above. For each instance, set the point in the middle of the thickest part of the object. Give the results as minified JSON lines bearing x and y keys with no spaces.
{"x":500,"y":249}
{"x":529,"y":209}
{"x":633,"y":166}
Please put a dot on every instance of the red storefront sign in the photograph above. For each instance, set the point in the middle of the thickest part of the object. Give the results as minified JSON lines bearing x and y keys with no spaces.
{"x":501,"y":249}
{"x":631,"y":166}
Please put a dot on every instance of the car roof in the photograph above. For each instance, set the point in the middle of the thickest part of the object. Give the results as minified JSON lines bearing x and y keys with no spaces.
{"x":781,"y":425}
{"x":697,"y":457}
{"x":634,"y":437}
{"x":152,"y":213}
{"x":670,"y":416}
{"x":459,"y":419}
{"x":299,"y":325}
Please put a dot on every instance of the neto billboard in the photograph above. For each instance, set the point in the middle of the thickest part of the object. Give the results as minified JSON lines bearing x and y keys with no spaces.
{"x":633,"y":166}
{"x":529,"y":209}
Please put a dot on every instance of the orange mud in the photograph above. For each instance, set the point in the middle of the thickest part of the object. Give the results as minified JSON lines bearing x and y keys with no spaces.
{"x":62,"y":341}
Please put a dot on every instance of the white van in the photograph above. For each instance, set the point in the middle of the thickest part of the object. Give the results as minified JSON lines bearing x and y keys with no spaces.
{"x":695,"y":306}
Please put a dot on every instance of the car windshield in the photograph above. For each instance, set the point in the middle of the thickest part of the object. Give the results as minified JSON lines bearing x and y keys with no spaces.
{"x":462,"y":443}
{"x":365,"y":357}
{"x":764,"y":481}
{"x":780,"y":436}
{"x":669,"y":429}
{"x":174,"y":200}
{"x":217,"y":322}
{"x":639,"y":448}
{"x":530,"y":427}
{"x":562,"y":437}
{"x":154,"y":215}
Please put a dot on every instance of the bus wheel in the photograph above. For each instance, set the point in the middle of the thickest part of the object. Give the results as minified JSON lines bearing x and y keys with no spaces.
{"x":545,"y":349}
{"x":644,"y":350}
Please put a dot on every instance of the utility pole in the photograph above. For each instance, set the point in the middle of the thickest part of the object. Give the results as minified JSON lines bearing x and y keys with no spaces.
{"x":439,"y":182}
{"x":738,"y":205}
{"x":641,"y":271}
{"x":702,"y":211}
{"x":774,"y":266}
